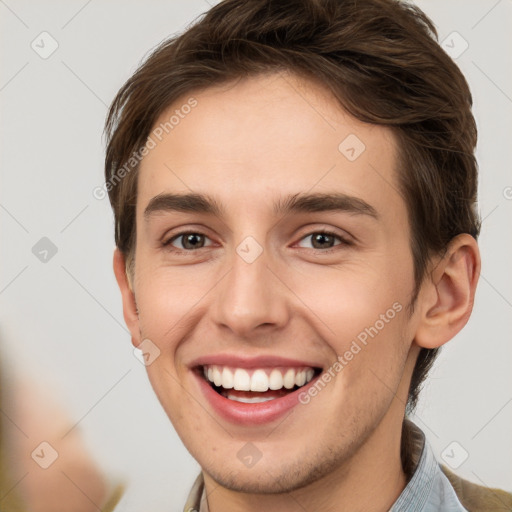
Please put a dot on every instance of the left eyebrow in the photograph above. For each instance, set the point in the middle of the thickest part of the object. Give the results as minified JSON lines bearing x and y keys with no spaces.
{"x":319,"y":202}
{"x":295,"y":203}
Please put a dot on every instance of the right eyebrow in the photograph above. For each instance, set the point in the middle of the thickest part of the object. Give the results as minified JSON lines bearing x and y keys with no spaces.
{"x":200,"y":203}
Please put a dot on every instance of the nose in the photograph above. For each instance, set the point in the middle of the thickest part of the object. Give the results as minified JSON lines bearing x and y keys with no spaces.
{"x":251,"y":299}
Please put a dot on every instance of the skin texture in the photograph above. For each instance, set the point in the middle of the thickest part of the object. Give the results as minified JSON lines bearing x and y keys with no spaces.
{"x":248,"y":144}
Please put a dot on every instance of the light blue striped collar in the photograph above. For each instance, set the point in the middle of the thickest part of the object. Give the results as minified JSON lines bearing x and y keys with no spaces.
{"x":429,"y":490}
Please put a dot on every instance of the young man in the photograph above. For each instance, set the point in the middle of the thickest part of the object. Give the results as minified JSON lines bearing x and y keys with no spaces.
{"x":294,"y":189}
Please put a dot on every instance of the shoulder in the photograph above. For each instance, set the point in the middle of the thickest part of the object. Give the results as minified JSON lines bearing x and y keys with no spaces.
{"x":478,"y":498}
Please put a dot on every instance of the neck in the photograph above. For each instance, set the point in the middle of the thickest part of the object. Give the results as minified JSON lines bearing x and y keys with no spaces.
{"x":370,"y":481}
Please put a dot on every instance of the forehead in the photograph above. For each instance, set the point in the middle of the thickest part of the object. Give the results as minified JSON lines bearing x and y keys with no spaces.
{"x":257,"y":139}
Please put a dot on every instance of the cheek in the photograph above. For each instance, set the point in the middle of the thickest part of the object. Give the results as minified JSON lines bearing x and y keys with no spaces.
{"x":167,"y":296}
{"x":352,"y":298}
{"x":361,"y":311}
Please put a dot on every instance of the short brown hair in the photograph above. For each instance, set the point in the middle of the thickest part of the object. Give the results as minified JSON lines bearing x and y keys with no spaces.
{"x":382,"y":62}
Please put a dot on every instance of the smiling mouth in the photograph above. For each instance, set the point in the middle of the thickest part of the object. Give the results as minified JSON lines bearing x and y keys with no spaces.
{"x":256,"y":385}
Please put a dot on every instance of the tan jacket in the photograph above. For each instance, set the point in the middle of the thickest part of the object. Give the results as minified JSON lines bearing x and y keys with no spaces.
{"x":477,"y":498}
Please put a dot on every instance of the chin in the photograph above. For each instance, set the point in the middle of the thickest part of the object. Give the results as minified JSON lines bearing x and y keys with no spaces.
{"x":274,"y":477}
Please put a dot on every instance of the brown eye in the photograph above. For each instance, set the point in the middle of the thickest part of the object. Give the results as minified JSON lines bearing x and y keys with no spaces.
{"x":323,"y":240}
{"x":189,"y":241}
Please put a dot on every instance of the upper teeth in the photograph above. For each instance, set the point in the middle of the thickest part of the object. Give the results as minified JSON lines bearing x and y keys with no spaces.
{"x":261,"y":379}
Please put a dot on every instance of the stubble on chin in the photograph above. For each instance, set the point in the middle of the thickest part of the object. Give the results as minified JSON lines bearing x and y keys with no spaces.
{"x":287,"y":476}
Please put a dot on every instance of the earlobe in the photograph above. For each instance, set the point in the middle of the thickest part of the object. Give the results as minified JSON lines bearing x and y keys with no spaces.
{"x":447,"y":295}
{"x":130,"y":311}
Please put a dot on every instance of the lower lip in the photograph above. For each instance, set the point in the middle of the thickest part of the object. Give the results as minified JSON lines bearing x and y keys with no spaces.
{"x":251,"y":414}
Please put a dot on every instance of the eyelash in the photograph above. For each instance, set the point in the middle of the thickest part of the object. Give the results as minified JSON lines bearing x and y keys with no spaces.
{"x":344,"y":241}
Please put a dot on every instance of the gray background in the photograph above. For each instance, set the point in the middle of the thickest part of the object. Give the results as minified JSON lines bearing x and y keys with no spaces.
{"x":61,"y":320}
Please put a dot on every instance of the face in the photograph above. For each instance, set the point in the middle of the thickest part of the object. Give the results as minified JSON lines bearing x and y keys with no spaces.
{"x":294,"y":306}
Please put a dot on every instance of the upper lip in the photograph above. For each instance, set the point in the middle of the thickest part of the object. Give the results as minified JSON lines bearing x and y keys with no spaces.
{"x":262,"y":361}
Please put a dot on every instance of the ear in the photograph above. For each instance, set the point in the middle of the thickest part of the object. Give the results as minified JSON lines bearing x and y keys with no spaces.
{"x":447,"y":295}
{"x":131,"y":316}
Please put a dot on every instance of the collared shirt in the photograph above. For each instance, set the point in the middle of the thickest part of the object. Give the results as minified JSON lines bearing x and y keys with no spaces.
{"x":428,"y":490}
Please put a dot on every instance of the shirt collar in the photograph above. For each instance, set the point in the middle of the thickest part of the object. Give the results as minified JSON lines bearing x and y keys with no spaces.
{"x":417,"y":491}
